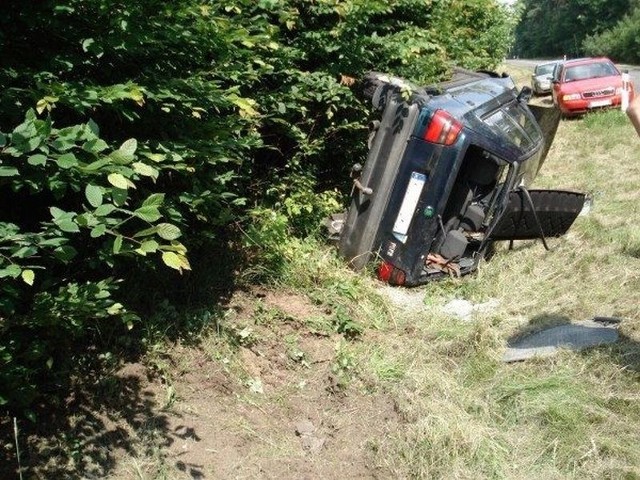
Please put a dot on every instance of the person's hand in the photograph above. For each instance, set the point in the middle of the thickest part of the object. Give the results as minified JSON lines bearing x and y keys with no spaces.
{"x":633,"y":112}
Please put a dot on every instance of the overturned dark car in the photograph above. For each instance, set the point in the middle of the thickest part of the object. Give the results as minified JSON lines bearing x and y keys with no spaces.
{"x":447,"y":175}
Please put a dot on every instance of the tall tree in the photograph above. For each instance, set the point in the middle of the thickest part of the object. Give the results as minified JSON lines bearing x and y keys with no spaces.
{"x":553,"y":28}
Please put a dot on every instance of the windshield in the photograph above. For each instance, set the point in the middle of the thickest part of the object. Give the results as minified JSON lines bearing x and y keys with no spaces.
{"x":590,"y":70}
{"x":546,"y":69}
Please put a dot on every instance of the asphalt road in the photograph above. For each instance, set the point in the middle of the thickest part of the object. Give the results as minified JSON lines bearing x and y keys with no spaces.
{"x":634,"y":70}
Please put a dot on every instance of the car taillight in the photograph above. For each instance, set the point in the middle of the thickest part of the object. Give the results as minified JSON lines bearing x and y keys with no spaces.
{"x":384,"y":271}
{"x":390,"y":274}
{"x":443,"y":129}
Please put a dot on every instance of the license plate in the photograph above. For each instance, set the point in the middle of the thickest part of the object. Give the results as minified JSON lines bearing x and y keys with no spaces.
{"x":409,"y":203}
{"x":600,"y":103}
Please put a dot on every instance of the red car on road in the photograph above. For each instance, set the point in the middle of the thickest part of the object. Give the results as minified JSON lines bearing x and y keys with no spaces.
{"x":588,"y":83}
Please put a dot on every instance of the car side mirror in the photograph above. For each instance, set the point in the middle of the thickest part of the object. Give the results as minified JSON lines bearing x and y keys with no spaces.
{"x":525,"y":94}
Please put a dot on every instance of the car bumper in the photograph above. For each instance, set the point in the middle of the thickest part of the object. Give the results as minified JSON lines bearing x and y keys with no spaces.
{"x":581,"y":106}
{"x":542,"y":87}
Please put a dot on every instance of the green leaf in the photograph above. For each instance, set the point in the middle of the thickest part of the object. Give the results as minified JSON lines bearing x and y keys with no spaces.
{"x":62,"y":144}
{"x":117,"y":244}
{"x":46,"y":103}
{"x":119,"y":196}
{"x":93,"y":126}
{"x":67,"y":225}
{"x":52,"y":242}
{"x":174,"y":247}
{"x":37,"y":159}
{"x":103,"y":210}
{"x":95,"y":146}
{"x":145,"y":170}
{"x":156,"y":157}
{"x":28,"y":276}
{"x":146,"y":232}
{"x":12,"y":270}
{"x":246,"y":105}
{"x":98,"y":164}
{"x":120,"y":158}
{"x":8,"y":171}
{"x":149,"y":246}
{"x":115,"y":309}
{"x":56,"y":212}
{"x":65,"y":253}
{"x":68,"y":160}
{"x":86,"y":219}
{"x":148,"y":213}
{"x":94,"y":195}
{"x":155,"y":199}
{"x":168,"y":231}
{"x":25,"y":252}
{"x":98,"y":230}
{"x":129,"y":147}
{"x":118,"y":180}
{"x":87,"y":43}
{"x":176,"y":261}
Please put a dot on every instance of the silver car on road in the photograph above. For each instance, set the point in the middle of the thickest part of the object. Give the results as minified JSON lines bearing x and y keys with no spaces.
{"x":541,"y":78}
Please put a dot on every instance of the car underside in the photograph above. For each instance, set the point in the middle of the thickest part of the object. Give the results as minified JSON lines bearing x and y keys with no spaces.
{"x":447,"y":174}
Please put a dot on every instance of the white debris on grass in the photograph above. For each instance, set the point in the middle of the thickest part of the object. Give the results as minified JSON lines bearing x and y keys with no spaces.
{"x":407,"y":299}
{"x":464,"y":309}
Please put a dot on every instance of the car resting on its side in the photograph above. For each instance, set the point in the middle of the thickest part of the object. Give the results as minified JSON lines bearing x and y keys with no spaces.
{"x":447,"y":175}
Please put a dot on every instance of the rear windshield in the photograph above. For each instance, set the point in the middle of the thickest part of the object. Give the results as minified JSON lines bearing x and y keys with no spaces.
{"x":516,"y":124}
{"x":590,"y":70}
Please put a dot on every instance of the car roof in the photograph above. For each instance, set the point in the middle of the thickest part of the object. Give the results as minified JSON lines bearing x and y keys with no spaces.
{"x":586,"y":60}
{"x":550,"y":62}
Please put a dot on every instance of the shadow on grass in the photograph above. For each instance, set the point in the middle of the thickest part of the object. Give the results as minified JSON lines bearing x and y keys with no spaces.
{"x":88,"y":421}
{"x":103,"y":418}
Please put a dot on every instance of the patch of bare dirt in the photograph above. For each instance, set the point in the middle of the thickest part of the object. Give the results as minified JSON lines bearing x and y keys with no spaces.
{"x":269,"y":408}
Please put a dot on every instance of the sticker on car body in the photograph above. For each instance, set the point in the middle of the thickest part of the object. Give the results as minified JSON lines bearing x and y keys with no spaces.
{"x":391,"y":249}
{"x":409,"y":204}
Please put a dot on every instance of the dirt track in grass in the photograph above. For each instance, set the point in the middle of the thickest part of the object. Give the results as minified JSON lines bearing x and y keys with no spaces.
{"x":280,"y":406}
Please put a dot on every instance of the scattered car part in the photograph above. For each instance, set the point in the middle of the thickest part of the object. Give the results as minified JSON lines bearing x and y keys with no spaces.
{"x":573,"y":336}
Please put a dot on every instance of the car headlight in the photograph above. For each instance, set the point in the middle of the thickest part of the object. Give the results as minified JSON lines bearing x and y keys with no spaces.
{"x":571,"y":96}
